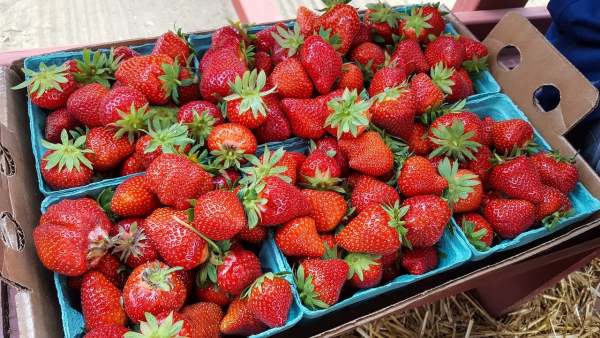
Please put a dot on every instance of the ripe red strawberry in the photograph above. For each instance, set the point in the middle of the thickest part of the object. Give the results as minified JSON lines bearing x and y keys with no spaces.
{"x":365,"y":270}
{"x":112,"y":269}
{"x":274,"y":161}
{"x":219,"y":66}
{"x":264,"y":39}
{"x":245,"y":105}
{"x":508,"y":135}
{"x":306,"y":116}
{"x":307,"y":20}
{"x":386,"y":77}
{"x":343,"y":20}
{"x":131,"y":165}
{"x":291,"y":79}
{"x":124,"y":53}
{"x":376,"y":230}
{"x":476,"y":54}
{"x":327,"y":208}
{"x":239,"y":269}
{"x":434,"y":19}
{"x":299,"y":237}
{"x":132,"y":198}
{"x":226,"y":179}
{"x":429,"y":91}
{"x":108,"y":149}
{"x":367,"y":191}
{"x":486,"y":135}
{"x":554,"y":206}
{"x":100,"y":302}
{"x":445,"y":49}
{"x":390,"y":264}
{"x":173,"y":44}
{"x":175,"y":180}
{"x":161,"y":140}
{"x":255,"y":235}
{"x":517,"y":178}
{"x":239,"y":320}
{"x":425,"y":220}
{"x":351,"y":78}
{"x":415,"y":26}
{"x":382,"y":21}
{"x":85,"y":104}
{"x":556,"y":170}
{"x":72,"y":236}
{"x":131,"y":243}
{"x":481,"y":165}
{"x":263,"y":62}
{"x":363,"y":35}
{"x":462,"y":87}
{"x":219,"y":215}
{"x":457,"y":135}
{"x":509,"y":217}
{"x":56,"y":122}
{"x":204,"y":319}
{"x":212,"y":294}
{"x":107,"y":331}
{"x":418,"y":176}
{"x":230,"y":142}
{"x":270,"y":299}
{"x":320,"y":170}
{"x":276,"y":126}
{"x":167,"y":324}
{"x":126,"y":107}
{"x":155,"y":288}
{"x":477,"y":230}
{"x":419,"y":142}
{"x":200,"y":118}
{"x":394,"y":111}
{"x":226,"y":36}
{"x":368,"y":154}
{"x":50,"y":86}
{"x":410,"y":57}
{"x":320,"y":281}
{"x":420,"y":260}
{"x":330,"y":144}
{"x":65,"y":165}
{"x":368,"y":56}
{"x":465,"y":191}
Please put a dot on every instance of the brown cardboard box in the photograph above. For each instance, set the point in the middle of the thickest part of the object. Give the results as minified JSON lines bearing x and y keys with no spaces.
{"x":32,"y":311}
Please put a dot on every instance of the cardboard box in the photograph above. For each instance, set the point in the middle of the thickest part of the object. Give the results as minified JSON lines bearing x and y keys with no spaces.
{"x":29,"y":306}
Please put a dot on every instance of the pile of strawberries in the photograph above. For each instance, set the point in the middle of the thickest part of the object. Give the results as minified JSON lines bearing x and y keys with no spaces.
{"x":393,"y":155}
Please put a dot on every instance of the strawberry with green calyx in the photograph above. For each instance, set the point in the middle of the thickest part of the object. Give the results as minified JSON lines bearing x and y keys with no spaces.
{"x":463,"y":86}
{"x":200,"y":117}
{"x":517,"y":178}
{"x":210,"y":292}
{"x":425,"y":220}
{"x":107,"y":149}
{"x":454,"y":141}
{"x":270,"y":298}
{"x":327,"y":208}
{"x":49,"y":87}
{"x":96,"y":67}
{"x":175,"y":45}
{"x":419,"y":261}
{"x":276,"y":126}
{"x":343,"y":20}
{"x":415,"y":26}
{"x":268,"y":165}
{"x":391,"y":74}
{"x":264,"y":39}
{"x":131,"y":244}
{"x":368,"y":191}
{"x":100,"y":301}
{"x":382,"y":21}
{"x":418,"y":142}
{"x":410,"y":57}
{"x":245,"y":105}
{"x":320,"y":281}
{"x":239,"y":320}
{"x":556,"y":170}
{"x":161,"y":139}
{"x":348,"y":115}
{"x":65,"y":164}
{"x":291,"y":79}
{"x":477,"y":230}
{"x":132,"y":198}
{"x":299,"y":237}
{"x":121,"y":101}
{"x":132,"y":122}
{"x":166,"y":114}
{"x":168,"y":327}
{"x":462,"y":187}
{"x":512,"y":136}
{"x":554,"y":207}
{"x":231,"y":143}
{"x":238,"y":268}
{"x":394,"y":110}
{"x":418,"y":176}
{"x":107,"y":331}
{"x":331,"y":247}
{"x":509,"y":217}
{"x":219,"y":215}
{"x":365,"y":270}
{"x":320,"y":170}
{"x":445,"y":49}
{"x":330,"y":144}
{"x":85,"y":104}
{"x":430,"y":91}
{"x":369,"y":57}
{"x":56,"y":122}
{"x":476,"y":55}
{"x":368,"y":154}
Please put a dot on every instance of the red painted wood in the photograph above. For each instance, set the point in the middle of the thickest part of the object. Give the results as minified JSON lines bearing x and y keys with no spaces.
{"x":257,"y":11}
{"x":6,"y":58}
{"x":475,"y":5}
{"x":480,"y":23}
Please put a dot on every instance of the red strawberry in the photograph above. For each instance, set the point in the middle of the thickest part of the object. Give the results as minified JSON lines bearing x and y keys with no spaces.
{"x":330,"y":144}
{"x":175,"y":180}
{"x":477,"y":230}
{"x":343,"y":20}
{"x":200,"y":117}
{"x":212,"y":294}
{"x":382,"y":21}
{"x":270,"y":299}
{"x":239,"y":320}
{"x":517,"y":178}
{"x":351,"y":78}
{"x":112,"y":269}
{"x":376,"y":230}
{"x":486,"y":135}
{"x":162,"y":139}
{"x":368,"y":154}
{"x":420,"y":260}
{"x":509,"y":217}
{"x":263,"y":62}
{"x":307,"y":20}
{"x":365,"y":270}
{"x":204,"y":319}
{"x":230,"y":142}
{"x":131,"y":165}
{"x":429,"y":91}
{"x":462,"y":87}
{"x":132,"y":198}
{"x":107,"y":331}
{"x":219,"y":66}
{"x":126,"y":108}
{"x":447,"y":50}
{"x":410,"y":57}
{"x":226,"y":36}
{"x":481,"y":165}
{"x":367,"y":191}
{"x":419,"y":142}
{"x":276,"y":126}
{"x":556,"y":170}
{"x":299,"y":237}
{"x":131,"y":243}
{"x":554,"y":206}
{"x":239,"y":269}
{"x":465,"y":191}
{"x":264,"y":39}
{"x":327,"y":208}
{"x":363,"y":35}
{"x":425,"y":220}
{"x":219,"y":215}
{"x":476,"y":54}
{"x":245,"y":105}
{"x":85,"y":104}
{"x":418,"y":176}
{"x":291,"y":79}
{"x":390,"y":264}
{"x":386,"y":77}
{"x":368,"y":56}
{"x":56,"y":122}
{"x":124,"y":53}
{"x":415,"y":26}
{"x":435,"y":19}
{"x":173,"y":44}
{"x":320,"y":281}
{"x":65,"y":165}
{"x":100,"y":302}
{"x":226,"y":179}
{"x":508,"y":135}
{"x":108,"y":148}
{"x":50,"y":86}
{"x":307,"y":117}
{"x":156,"y":76}
{"x":457,"y":135}
{"x":320,"y":170}
{"x":280,"y":158}
{"x":255,"y":235}
{"x":394,"y":111}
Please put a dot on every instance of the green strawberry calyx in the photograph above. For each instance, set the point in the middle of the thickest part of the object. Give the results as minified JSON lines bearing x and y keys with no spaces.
{"x":416,"y":21}
{"x":429,"y":116}
{"x":476,"y":64}
{"x":130,"y":242}
{"x":459,"y":186}
{"x":453,"y":141}
{"x":159,"y":277}
{"x":381,"y":12}
{"x":132,"y":122}
{"x":208,"y":271}
{"x":554,"y":218}
{"x":248,"y":89}
{"x":48,"y":77}
{"x":306,"y":288}
{"x":324,"y":181}
{"x":151,"y":329}
{"x":96,"y":67}
{"x":395,"y":214}
{"x":333,"y":40}
{"x":391,"y":93}
{"x":348,"y":113}
{"x":170,"y":80}
{"x":289,"y":39}
{"x":170,"y":140}
{"x":359,"y":263}
{"x":330,"y":252}
{"x":253,"y":202}
{"x":440,"y":75}
{"x":201,"y":125}
{"x":475,"y":237}
{"x":69,"y":154}
{"x":266,"y":167}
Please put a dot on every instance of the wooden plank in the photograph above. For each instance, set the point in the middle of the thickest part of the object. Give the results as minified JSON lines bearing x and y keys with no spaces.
{"x":257,"y":11}
{"x":476,"y":5}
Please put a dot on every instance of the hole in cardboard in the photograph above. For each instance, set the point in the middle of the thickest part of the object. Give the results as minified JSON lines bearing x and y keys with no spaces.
{"x":11,"y":231}
{"x":10,"y":293}
{"x":7,"y":164}
{"x":509,"y":57}
{"x":546,"y":97}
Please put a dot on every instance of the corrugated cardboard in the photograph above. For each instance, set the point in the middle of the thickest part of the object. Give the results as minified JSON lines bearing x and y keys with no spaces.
{"x":35,"y":307}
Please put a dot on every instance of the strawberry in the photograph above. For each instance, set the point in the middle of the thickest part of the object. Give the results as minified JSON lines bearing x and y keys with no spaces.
{"x":343,"y":20}
{"x":156,"y":76}
{"x":131,"y":165}
{"x":556,"y":170}
{"x":418,"y":141}
{"x":226,"y":36}
{"x":327,"y":208}
{"x":330,"y":144}
{"x":446,"y":50}
{"x":111,"y":268}
{"x":481,"y":165}
{"x":320,"y":281}
{"x":457,"y":135}
{"x":365,"y":270}
{"x":291,"y":79}
{"x":363,"y":35}
{"x":368,"y":56}
{"x":509,"y":217}
{"x":255,"y":235}
{"x":230,"y":143}
{"x":513,"y":134}
{"x":554,"y":206}
{"x":270,"y":299}
{"x":124,"y":107}
{"x":131,"y":243}
{"x":264,"y":39}
{"x":420,"y":260}
{"x":108,"y":149}
{"x":462,"y":87}
{"x":377,"y":230}
{"x":415,"y":26}
{"x":85,"y":104}
{"x":65,"y":164}
{"x":394,"y":111}
{"x":49,"y":87}
{"x":263,"y":62}
{"x":320,"y":170}
{"x":175,"y":180}
{"x":276,"y":126}
{"x":429,"y":91}
{"x":306,"y":116}
{"x":387,"y":77}
{"x":107,"y":331}
{"x":367,"y":191}
{"x":280,"y":163}
{"x":465,"y":191}
{"x":72,"y":236}
{"x":123,"y":53}
{"x":307,"y":20}
{"x":486,"y":132}
{"x":382,"y":21}
{"x":239,"y":320}
{"x":418,"y":176}
{"x":166,"y":324}
{"x":238,"y":270}
{"x":173,"y":44}
{"x":212,"y":294}
{"x":162,"y":139}
{"x":368,"y":154}
{"x":133,"y":199}
{"x":200,"y":118}
{"x":245,"y":105}
{"x":351,"y":78}
{"x":299,"y":237}
{"x":204,"y":319}
{"x":410,"y":57}
{"x":100,"y":301}
{"x":153,"y":288}
{"x":188,"y":90}
{"x":425,"y":220}
{"x":476,"y":55}
{"x":435,"y":20}
{"x":517,"y":178}
{"x":173,"y":238}
{"x":219,"y":215}
{"x":477,"y":230}
{"x":226,"y":179}
{"x":56,"y":122}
